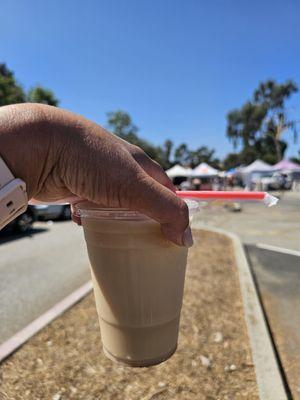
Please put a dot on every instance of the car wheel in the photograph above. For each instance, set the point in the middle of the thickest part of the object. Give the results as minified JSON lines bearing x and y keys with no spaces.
{"x":24,"y":222}
{"x":66,"y":213}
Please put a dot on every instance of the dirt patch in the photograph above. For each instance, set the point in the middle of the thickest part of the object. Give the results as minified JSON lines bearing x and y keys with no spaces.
{"x":213,"y":361}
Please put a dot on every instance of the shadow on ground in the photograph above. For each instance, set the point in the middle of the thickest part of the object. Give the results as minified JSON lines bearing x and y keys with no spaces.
{"x":9,"y":236}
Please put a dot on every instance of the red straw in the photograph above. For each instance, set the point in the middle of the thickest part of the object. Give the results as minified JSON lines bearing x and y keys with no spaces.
{"x":230,"y":195}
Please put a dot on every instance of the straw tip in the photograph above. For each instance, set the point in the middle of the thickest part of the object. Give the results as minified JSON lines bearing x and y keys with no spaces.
{"x":270,"y":200}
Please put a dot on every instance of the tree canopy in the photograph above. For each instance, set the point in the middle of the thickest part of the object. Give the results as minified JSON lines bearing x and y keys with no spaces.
{"x":11,"y":92}
{"x":258,"y":124}
{"x":38,"y":94}
{"x":120,"y":123}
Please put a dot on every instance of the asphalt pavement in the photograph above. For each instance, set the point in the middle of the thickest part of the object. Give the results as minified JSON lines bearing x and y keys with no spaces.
{"x":37,"y":270}
{"x":277,"y":276}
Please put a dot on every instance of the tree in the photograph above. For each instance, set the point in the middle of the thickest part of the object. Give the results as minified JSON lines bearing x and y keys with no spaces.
{"x":10,"y":91}
{"x":120,"y":123}
{"x":296,"y":159}
{"x":167,"y":150}
{"x":203,"y":154}
{"x":183,"y":155}
{"x":273,"y":96}
{"x":244,"y":124}
{"x":259,"y":124}
{"x":232,"y":160}
{"x":38,"y":94}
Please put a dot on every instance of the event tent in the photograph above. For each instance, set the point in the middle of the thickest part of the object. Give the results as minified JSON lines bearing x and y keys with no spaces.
{"x":258,"y":167}
{"x":179,"y":171}
{"x":286,"y":165}
{"x":230,"y":172}
{"x":204,"y":169}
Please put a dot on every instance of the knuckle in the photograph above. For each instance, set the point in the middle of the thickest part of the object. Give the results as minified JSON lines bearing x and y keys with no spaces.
{"x":136,"y":150}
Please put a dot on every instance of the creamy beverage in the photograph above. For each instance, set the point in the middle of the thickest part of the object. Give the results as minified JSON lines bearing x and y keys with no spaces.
{"x":138,"y":279}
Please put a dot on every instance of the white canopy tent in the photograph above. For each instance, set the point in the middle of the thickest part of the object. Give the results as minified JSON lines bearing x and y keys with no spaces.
{"x":205,"y":170}
{"x":179,"y":171}
{"x":257,"y":167}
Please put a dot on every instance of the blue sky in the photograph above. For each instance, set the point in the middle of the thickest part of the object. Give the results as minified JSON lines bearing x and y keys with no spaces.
{"x":176,"y":66}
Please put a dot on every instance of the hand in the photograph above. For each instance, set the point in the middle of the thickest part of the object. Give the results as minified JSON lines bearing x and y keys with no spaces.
{"x":59,"y":154}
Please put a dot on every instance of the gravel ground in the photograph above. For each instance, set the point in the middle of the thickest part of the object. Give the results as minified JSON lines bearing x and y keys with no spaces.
{"x":213,"y":360}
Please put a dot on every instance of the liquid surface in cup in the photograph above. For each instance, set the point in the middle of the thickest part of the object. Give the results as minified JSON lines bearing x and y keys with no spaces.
{"x":138,"y":283}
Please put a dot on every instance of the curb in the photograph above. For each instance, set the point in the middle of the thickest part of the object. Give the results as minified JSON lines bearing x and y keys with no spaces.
{"x":17,"y":340}
{"x":268,"y":376}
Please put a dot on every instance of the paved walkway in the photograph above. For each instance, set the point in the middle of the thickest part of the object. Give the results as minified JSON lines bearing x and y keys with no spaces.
{"x":279,"y":226}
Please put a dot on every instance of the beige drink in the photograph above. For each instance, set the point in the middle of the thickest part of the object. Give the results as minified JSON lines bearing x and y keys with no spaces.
{"x":138,"y":281}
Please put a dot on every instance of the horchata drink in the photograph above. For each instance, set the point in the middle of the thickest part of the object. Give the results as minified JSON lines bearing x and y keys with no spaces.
{"x":138,"y":279}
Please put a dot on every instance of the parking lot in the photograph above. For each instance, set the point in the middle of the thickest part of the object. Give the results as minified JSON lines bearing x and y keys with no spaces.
{"x":38,"y":269}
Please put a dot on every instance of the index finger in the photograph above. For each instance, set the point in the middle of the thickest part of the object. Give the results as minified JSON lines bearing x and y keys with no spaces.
{"x":159,"y":203}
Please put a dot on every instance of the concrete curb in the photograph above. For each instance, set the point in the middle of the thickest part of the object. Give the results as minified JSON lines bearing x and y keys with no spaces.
{"x":16,"y":341}
{"x":268,"y":376}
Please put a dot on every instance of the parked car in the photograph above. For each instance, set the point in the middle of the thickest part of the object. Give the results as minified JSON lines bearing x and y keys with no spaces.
{"x":24,"y":221}
{"x":57,"y":211}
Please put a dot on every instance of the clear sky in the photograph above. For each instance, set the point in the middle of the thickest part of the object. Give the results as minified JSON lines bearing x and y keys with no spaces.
{"x":177,"y":66}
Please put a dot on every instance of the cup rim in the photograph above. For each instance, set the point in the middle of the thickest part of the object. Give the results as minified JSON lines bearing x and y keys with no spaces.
{"x":86,"y":209}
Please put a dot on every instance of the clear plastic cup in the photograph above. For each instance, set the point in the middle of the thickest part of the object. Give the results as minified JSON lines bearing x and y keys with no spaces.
{"x":138,"y":279}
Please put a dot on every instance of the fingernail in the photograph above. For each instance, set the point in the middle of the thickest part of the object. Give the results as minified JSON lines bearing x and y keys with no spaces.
{"x":187,"y":238}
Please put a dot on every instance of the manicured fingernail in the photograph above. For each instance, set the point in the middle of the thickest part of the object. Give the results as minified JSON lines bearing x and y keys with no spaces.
{"x":187,"y":238}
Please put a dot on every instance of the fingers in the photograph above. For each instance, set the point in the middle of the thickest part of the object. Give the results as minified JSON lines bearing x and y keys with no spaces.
{"x":155,"y":171}
{"x":156,"y":201}
{"x":152,"y":168}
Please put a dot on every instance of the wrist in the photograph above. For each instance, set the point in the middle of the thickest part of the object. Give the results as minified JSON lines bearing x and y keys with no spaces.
{"x":22,"y":138}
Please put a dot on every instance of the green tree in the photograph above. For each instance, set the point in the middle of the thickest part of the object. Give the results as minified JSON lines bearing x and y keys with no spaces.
{"x":182,"y":154}
{"x":120,"y":123}
{"x":38,"y":94}
{"x":185,"y":156}
{"x":10,"y":91}
{"x":273,"y":96}
{"x":260,"y":123}
{"x":232,"y":160}
{"x":167,"y":151}
{"x":203,"y":154}
{"x":296,"y":159}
